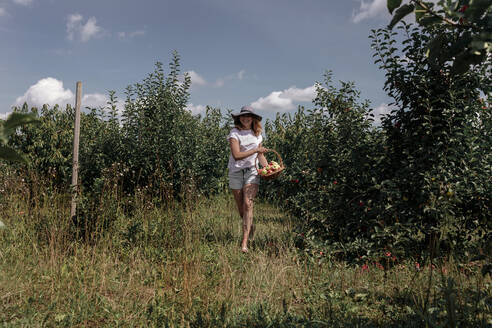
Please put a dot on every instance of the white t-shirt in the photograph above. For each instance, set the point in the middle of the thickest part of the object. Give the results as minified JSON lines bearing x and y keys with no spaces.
{"x":247,"y":141}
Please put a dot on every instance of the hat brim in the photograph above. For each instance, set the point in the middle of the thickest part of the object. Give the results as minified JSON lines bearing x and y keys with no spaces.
{"x":241,"y":114}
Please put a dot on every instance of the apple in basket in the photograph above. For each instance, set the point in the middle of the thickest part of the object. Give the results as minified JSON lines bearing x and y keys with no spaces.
{"x":263,"y":171}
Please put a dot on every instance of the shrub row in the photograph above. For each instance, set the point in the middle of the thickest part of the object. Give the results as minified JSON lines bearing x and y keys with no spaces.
{"x":420,"y":181}
{"x":420,"y":178}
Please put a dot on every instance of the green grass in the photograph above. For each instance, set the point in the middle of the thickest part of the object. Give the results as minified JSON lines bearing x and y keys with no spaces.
{"x":182,"y":266}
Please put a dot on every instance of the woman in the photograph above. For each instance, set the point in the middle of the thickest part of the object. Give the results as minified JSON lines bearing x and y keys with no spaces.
{"x":245,"y":140}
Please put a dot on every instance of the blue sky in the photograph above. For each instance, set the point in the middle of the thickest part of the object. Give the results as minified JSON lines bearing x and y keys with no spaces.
{"x":267,"y":53}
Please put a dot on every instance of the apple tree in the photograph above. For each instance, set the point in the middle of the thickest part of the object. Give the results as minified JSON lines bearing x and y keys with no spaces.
{"x":7,"y":128}
{"x":334,"y":155}
{"x":469,"y":21}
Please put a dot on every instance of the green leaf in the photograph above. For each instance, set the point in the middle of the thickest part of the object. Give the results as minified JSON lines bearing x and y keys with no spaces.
{"x":15,"y":120}
{"x":10,"y":154}
{"x":477,"y":8}
{"x":400,"y":14}
{"x":434,"y":50}
{"x":478,"y":45}
{"x":393,"y":4}
{"x":464,"y":60}
{"x":419,"y":12}
{"x":479,"y":257}
{"x":460,"y":45}
{"x":429,"y":20}
{"x":487,"y":36}
{"x":487,"y":269}
{"x":360,"y":297}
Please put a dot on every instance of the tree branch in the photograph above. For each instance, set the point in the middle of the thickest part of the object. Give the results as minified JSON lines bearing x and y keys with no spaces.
{"x":444,"y":19}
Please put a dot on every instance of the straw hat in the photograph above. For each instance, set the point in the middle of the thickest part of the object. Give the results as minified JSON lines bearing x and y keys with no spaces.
{"x":247,"y":110}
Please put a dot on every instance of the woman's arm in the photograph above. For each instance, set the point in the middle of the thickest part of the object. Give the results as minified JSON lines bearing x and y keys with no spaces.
{"x":262,"y":159}
{"x":238,"y":154}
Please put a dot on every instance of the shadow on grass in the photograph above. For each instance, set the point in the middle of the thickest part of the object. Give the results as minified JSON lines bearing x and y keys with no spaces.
{"x":273,"y":218}
{"x":261,"y":315}
{"x":272,"y":245}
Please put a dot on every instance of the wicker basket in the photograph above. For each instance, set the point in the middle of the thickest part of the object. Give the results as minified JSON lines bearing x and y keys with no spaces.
{"x":275,"y":174}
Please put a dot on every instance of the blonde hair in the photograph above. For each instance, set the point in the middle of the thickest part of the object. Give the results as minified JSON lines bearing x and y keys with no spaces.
{"x":255,"y":125}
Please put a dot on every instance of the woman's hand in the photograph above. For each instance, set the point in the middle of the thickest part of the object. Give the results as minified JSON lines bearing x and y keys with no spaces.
{"x":261,"y":150}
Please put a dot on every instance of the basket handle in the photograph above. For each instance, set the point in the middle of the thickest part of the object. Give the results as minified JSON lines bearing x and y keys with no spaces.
{"x":278,"y":156}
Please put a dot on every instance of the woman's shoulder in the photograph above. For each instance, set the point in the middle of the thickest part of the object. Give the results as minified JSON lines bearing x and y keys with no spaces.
{"x":233,"y":131}
{"x":242,"y":132}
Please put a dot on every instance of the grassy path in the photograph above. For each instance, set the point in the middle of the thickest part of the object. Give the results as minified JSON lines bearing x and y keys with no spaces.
{"x":183,"y":267}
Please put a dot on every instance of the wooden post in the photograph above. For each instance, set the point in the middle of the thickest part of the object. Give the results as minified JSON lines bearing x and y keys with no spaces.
{"x":76,"y":137}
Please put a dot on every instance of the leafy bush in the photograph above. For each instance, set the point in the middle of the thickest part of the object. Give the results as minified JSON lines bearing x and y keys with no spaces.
{"x":156,"y":149}
{"x":165,"y":145}
{"x":334,"y":159}
{"x":438,"y":139}
{"x":157,"y":144}
{"x":420,"y":179}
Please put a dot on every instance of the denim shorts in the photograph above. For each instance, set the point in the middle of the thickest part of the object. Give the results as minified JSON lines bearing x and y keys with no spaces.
{"x":238,"y":179}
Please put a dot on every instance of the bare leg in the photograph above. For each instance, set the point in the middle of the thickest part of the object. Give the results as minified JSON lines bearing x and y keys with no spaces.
{"x":249,"y":193}
{"x":238,"y":197}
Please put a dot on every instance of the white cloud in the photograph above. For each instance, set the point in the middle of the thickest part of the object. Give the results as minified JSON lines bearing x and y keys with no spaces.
{"x":196,"y":78}
{"x":375,"y":9}
{"x":296,"y":94}
{"x":284,"y":100}
{"x":196,"y":109}
{"x":273,"y":101}
{"x":221,"y":81}
{"x":94,"y":100}
{"x":23,"y":2}
{"x":50,"y":91}
{"x":237,"y":76}
{"x":381,"y":110}
{"x":76,"y":28}
{"x":3,"y":12}
{"x":136,"y":33}
{"x":46,"y":91}
{"x":123,"y":35}
{"x":90,"y":29}
{"x":73,"y":24}
{"x":372,"y":9}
